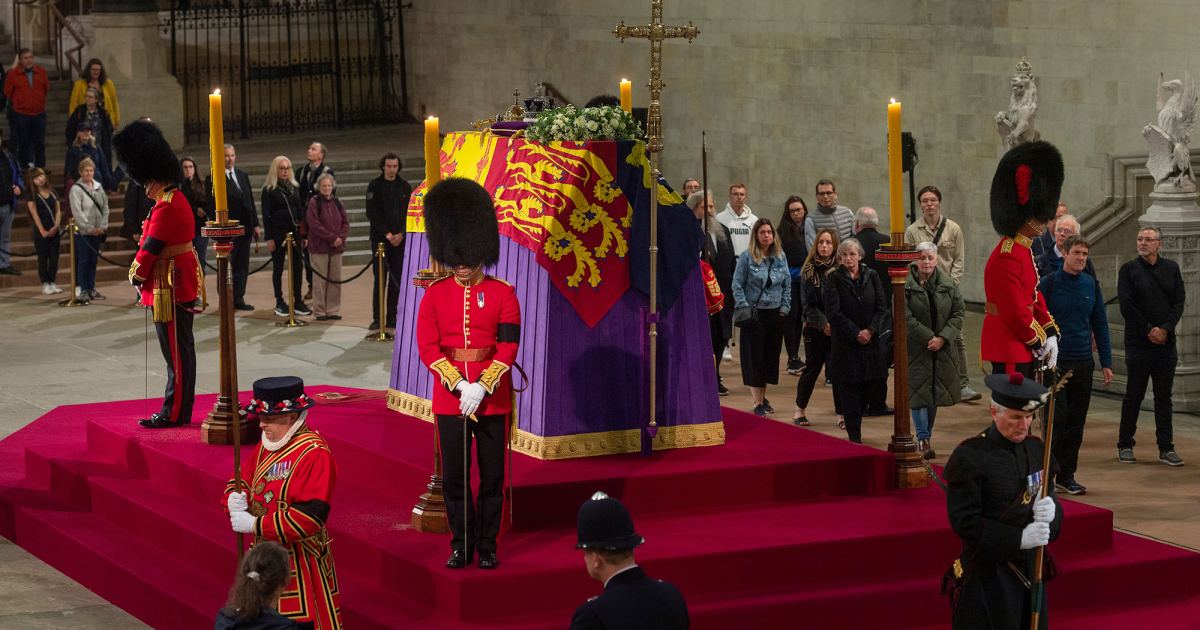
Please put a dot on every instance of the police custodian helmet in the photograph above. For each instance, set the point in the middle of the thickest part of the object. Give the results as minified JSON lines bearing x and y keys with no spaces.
{"x":605,"y":524}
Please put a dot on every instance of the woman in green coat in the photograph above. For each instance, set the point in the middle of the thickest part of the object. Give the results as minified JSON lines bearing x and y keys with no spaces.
{"x":935,"y":315}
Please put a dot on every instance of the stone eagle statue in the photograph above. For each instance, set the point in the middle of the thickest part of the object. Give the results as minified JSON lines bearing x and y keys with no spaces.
{"x":1170,"y":161}
{"x":1015,"y":126}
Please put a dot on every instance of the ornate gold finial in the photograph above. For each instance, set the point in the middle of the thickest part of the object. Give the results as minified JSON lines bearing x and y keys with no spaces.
{"x":1024,"y":68}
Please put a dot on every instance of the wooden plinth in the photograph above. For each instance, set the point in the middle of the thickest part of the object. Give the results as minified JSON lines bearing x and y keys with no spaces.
{"x":429,"y":514}
{"x":218,"y":425}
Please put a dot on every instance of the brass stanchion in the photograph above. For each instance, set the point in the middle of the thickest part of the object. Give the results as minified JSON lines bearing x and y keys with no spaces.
{"x":381,"y":273}
{"x":72,"y":229}
{"x":291,"y":322}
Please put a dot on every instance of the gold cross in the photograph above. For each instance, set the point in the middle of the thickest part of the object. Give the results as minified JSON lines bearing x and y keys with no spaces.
{"x":656,"y":33}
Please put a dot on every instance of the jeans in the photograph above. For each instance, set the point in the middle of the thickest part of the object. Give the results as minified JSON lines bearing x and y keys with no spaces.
{"x":87,"y":254}
{"x":1070,"y":412}
{"x":29,"y":136}
{"x":923,"y":418}
{"x":1143,"y":364}
{"x":6,"y":217}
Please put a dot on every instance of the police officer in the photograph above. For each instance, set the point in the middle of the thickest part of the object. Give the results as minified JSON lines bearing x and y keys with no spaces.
{"x":631,"y":599}
{"x":994,"y":506}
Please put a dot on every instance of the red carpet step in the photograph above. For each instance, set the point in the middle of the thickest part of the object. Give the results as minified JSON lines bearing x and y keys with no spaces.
{"x":779,"y":524}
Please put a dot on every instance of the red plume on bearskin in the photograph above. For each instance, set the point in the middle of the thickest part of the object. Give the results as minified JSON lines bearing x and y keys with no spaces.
{"x":1026,"y":185}
{"x":145,"y":154}
{"x":460,"y":224}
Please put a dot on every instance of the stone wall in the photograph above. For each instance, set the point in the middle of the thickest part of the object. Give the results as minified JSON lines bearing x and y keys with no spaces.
{"x":790,"y":92}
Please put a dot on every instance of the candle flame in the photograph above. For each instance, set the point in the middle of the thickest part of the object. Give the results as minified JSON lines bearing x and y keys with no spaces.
{"x":431,"y":117}
{"x":217,"y":91}
{"x":893,"y":101}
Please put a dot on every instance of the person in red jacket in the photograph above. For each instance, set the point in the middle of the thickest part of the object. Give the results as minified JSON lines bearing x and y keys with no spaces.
{"x":26,"y":86}
{"x":468,"y":329}
{"x":166,"y":270}
{"x":1017,"y":327}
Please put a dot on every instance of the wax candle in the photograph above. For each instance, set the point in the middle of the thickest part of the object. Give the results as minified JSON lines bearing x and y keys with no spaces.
{"x":895,"y":181}
{"x":626,"y":95}
{"x":433,"y":144}
{"x":216,"y":145}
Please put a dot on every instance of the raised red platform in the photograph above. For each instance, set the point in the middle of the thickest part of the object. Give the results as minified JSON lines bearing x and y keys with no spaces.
{"x":778,"y":524}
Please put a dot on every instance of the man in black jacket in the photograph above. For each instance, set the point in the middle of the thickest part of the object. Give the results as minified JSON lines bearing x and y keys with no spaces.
{"x":631,"y":599}
{"x":718,"y":251}
{"x":866,"y":222}
{"x":240,"y":199}
{"x":387,"y":209}
{"x":312,"y":171}
{"x":1152,"y":297}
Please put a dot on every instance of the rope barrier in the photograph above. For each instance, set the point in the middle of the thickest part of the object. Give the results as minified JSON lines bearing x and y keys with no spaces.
{"x":241,"y":275}
{"x":350,"y":279}
{"x":106,"y":259}
{"x":11,"y":254}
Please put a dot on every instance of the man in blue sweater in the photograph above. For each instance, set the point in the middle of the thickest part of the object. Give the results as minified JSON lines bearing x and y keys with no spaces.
{"x":1075,"y":301}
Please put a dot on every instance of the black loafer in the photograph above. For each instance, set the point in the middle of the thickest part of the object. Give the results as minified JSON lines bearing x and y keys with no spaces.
{"x":487,"y":560}
{"x":243,"y":307}
{"x":457,"y":560}
{"x":159,"y":421}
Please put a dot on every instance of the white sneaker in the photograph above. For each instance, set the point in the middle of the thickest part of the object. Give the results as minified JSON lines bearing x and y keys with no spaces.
{"x":54,"y":288}
{"x":728,"y":356}
{"x":78,"y":293}
{"x":46,"y":290}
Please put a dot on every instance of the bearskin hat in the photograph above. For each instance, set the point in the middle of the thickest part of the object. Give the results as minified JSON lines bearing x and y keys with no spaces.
{"x":460,"y":223}
{"x":1026,"y":186}
{"x":145,"y":155}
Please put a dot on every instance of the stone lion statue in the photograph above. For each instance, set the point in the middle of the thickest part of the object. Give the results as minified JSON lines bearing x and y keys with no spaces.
{"x":1016,"y":126}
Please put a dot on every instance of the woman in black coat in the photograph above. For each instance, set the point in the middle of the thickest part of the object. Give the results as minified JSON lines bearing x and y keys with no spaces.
{"x":718,"y":251}
{"x":857,"y":308}
{"x":791,"y":237}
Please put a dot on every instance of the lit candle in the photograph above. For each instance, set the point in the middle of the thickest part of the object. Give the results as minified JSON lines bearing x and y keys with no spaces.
{"x":895,"y":182}
{"x":626,"y":95}
{"x":433,"y":144}
{"x":216,"y":144}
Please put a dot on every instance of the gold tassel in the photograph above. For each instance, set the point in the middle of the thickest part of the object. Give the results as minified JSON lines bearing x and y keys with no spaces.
{"x":164,"y":299}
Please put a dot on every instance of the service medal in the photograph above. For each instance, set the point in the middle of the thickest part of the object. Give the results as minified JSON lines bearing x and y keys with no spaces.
{"x":479,"y":298}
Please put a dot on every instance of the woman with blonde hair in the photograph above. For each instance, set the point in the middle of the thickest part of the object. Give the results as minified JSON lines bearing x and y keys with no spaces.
{"x":813,"y":272}
{"x":89,"y":208}
{"x":762,"y":295}
{"x":282,"y":215}
{"x":328,"y":228}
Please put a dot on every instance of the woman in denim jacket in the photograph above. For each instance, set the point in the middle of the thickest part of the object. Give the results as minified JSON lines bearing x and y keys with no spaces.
{"x":762,"y":282}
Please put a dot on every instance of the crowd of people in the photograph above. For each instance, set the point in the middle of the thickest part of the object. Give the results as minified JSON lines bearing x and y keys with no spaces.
{"x":813,"y":276}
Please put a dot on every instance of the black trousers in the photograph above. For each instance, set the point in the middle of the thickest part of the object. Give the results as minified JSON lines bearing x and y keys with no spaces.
{"x":394,"y":263}
{"x":793,"y":326}
{"x":179,"y":351}
{"x":816,"y":354}
{"x":484,"y":516}
{"x":1070,"y":413}
{"x":1026,"y":369}
{"x":47,"y":255}
{"x":854,"y":397}
{"x":1141,"y":366}
{"x":760,"y":346}
{"x":279,"y":265}
{"x":239,"y":265}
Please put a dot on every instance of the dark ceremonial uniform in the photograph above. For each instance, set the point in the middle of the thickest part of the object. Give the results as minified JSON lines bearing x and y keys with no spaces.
{"x":470,"y":333}
{"x":172,"y":284}
{"x":992,"y":485}
{"x":289,"y":494}
{"x":633,"y":601}
{"x":1016,"y":321}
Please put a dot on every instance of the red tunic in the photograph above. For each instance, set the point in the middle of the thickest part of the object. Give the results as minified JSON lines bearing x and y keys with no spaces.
{"x":290,"y":490}
{"x":165,"y":260}
{"x":1016,"y":321}
{"x":480,"y":323}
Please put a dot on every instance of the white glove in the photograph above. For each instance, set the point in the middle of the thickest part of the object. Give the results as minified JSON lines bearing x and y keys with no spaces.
{"x":237,"y":502}
{"x":1043,"y":510}
{"x":243,"y":523}
{"x":1049,"y":352}
{"x":1035,"y":535}
{"x":471,"y":394}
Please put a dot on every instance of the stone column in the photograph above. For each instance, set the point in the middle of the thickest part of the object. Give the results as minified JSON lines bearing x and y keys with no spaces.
{"x":127,"y":40}
{"x":1178,"y":216}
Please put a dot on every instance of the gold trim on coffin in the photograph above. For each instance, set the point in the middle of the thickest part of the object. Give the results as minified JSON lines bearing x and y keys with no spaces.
{"x":582,"y":444}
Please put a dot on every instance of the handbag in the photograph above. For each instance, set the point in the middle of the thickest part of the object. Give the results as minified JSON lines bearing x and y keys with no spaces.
{"x":748,"y":315}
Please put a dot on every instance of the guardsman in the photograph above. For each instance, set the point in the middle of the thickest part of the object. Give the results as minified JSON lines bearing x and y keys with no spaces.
{"x":631,"y":599}
{"x":290,"y":481}
{"x":468,"y":329}
{"x":166,"y":270}
{"x":1017,"y":328}
{"x":993,"y":481}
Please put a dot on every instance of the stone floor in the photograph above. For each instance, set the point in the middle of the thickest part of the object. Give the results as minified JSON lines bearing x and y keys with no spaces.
{"x":56,"y":356}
